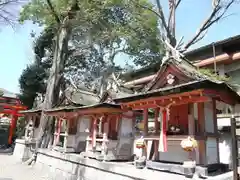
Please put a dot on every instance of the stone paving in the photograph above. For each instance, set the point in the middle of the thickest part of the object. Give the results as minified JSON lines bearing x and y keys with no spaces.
{"x":10,"y":169}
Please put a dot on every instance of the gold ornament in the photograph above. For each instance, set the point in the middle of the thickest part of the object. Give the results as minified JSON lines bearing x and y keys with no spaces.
{"x":189,"y":144}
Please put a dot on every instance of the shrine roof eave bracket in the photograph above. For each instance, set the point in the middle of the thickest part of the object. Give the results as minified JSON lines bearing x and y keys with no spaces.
{"x":11,"y":106}
{"x":31,"y":111}
{"x":195,"y":91}
{"x":96,"y":109}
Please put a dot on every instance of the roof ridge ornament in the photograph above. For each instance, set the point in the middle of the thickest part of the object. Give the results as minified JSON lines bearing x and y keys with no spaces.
{"x":175,"y":54}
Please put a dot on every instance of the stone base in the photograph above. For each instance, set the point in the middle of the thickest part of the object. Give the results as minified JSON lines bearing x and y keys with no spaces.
{"x":64,"y":166}
{"x":67,"y":166}
{"x":23,"y":149}
{"x":109,"y":157}
{"x":177,"y":168}
{"x":61,"y":149}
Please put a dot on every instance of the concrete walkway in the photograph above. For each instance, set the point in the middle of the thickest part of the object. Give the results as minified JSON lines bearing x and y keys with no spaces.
{"x":12,"y":170}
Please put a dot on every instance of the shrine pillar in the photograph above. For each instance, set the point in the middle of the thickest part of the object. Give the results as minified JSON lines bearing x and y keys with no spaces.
{"x":157,"y":129}
{"x":12,"y":126}
{"x":211,"y":132}
{"x":145,"y":122}
{"x":65,"y":144}
{"x":94,"y":133}
{"x":201,"y":131}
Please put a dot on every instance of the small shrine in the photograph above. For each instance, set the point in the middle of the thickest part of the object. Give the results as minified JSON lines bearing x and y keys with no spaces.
{"x":169,"y":124}
{"x":103,"y":131}
{"x":182,"y":103}
{"x":32,"y":118}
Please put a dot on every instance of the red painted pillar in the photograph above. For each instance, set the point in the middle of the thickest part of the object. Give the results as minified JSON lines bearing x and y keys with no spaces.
{"x":145,"y":122}
{"x":163,"y":135}
{"x":94,"y":132}
{"x":59,"y":124}
{"x":12,"y":126}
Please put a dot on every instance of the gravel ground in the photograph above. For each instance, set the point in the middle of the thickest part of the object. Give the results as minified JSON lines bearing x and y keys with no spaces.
{"x":12,"y":170}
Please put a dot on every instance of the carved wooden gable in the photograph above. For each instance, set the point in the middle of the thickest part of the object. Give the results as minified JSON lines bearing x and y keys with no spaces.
{"x":171,"y":74}
{"x":106,"y":97}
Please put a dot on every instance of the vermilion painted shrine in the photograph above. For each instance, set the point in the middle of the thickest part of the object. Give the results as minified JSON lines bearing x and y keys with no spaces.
{"x":179,"y":102}
{"x":11,"y":105}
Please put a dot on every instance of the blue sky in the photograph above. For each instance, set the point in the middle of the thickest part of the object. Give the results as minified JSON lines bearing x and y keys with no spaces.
{"x":16,"y":45}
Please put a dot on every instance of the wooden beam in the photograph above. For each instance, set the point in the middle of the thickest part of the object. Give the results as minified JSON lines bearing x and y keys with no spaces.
{"x":165,"y":103}
{"x":145,"y":121}
{"x":223,"y":96}
{"x":201,"y":117}
{"x":142,"y":101}
{"x":156,"y":121}
{"x":66,"y":135}
{"x":164,"y":130}
{"x":191,"y":120}
{"x":157,"y":131}
{"x":235,"y":151}
{"x":94,"y":134}
{"x":202,"y":143}
{"x":215,"y":126}
{"x":156,"y":153}
{"x":12,"y":127}
{"x":57,"y":137}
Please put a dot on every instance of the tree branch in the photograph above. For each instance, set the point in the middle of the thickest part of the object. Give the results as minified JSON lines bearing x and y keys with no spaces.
{"x":53,"y":12}
{"x":170,"y":15}
{"x":212,"y":18}
{"x":163,"y":20}
{"x":7,"y":16}
{"x":160,"y":15}
{"x":177,"y":4}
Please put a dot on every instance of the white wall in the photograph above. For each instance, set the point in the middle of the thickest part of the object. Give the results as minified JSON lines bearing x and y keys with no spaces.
{"x":225,"y":146}
{"x":208,"y":112}
{"x":174,"y":153}
{"x":211,"y":150}
{"x":36,"y":131}
{"x":83,"y":131}
{"x":126,"y":126}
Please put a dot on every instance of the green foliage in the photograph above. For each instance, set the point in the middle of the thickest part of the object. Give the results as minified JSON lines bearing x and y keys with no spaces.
{"x":44,"y":41}
{"x":117,"y":26}
{"x":32,"y":82}
{"x":211,"y":74}
{"x":33,"y":78}
{"x":111,"y":26}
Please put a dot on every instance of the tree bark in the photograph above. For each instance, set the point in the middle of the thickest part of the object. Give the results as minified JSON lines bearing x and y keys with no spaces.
{"x":53,"y":85}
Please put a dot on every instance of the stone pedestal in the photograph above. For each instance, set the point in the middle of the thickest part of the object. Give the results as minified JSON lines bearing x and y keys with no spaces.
{"x":23,"y":149}
{"x":189,"y":168}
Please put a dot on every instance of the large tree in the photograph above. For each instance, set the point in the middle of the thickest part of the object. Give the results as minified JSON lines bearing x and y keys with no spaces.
{"x":101,"y":26}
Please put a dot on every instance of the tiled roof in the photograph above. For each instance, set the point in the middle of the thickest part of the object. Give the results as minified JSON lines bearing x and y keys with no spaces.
{"x":7,"y":93}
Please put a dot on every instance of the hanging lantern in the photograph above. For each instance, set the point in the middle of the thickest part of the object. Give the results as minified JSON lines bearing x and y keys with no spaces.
{"x":189,"y":144}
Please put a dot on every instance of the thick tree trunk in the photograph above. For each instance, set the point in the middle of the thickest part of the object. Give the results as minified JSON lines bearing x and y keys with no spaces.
{"x":53,"y":87}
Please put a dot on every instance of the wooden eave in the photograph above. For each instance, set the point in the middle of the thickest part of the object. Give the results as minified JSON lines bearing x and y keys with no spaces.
{"x":196,"y":96}
{"x":94,"y":110}
{"x":16,"y":107}
{"x":169,"y":100}
{"x":31,"y":111}
{"x":196,"y":91}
